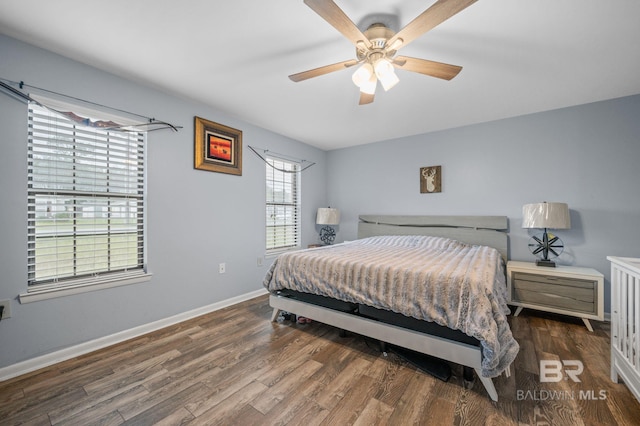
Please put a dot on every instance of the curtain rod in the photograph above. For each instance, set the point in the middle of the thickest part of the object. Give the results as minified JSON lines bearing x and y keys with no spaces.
{"x":5,"y":84}
{"x":282,"y":156}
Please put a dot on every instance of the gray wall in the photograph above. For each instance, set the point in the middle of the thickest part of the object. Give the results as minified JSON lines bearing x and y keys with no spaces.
{"x":196,"y":219}
{"x":587,"y":156}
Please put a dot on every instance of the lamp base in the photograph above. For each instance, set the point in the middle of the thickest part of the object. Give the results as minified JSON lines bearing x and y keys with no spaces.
{"x":327,"y":235}
{"x":547,"y":263}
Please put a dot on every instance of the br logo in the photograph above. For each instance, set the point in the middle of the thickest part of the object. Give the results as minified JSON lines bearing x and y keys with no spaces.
{"x":554,"y":371}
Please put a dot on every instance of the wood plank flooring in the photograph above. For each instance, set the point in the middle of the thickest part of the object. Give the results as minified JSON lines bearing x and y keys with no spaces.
{"x":235,"y":367}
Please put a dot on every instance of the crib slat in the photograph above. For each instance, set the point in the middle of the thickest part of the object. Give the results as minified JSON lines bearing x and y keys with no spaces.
{"x":630,"y":317}
{"x":635,"y":344}
{"x":615,"y":307}
{"x":624,"y":318}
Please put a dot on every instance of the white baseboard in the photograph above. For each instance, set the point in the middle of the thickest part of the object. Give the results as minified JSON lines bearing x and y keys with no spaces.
{"x":42,"y":361}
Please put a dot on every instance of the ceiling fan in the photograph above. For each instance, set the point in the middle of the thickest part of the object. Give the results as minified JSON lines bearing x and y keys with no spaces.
{"x":376,"y":48}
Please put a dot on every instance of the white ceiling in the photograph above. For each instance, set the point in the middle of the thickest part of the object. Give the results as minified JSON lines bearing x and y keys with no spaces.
{"x":518,"y":57}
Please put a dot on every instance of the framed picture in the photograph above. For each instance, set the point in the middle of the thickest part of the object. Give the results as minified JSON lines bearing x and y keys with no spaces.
{"x":430,"y":179}
{"x":218,"y":148}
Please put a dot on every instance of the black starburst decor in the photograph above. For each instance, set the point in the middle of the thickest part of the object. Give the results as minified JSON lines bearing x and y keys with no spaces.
{"x":547,"y":246}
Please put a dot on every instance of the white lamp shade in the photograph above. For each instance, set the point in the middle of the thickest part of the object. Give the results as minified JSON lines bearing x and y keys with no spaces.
{"x":546,"y":215}
{"x":362,"y":75}
{"x":386,"y":74}
{"x":369,"y":86}
{"x":328,"y":216}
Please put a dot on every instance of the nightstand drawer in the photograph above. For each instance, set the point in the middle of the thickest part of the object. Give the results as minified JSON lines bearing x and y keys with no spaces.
{"x":554,"y":280}
{"x":559,"y":292}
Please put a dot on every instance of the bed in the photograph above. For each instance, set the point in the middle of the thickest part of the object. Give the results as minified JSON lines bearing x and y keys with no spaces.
{"x":388,"y":285}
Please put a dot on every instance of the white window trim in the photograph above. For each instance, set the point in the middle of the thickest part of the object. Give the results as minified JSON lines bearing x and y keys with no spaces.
{"x":71,"y":287}
{"x":80,"y":287}
{"x":274,"y":252}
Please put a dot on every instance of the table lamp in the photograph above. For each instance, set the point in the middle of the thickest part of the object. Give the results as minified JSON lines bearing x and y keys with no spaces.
{"x":328,"y":217}
{"x":546,"y":216}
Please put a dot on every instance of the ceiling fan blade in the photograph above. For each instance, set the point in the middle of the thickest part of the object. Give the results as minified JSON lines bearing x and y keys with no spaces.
{"x":439,"y":12}
{"x":423,"y":66}
{"x":322,"y":70}
{"x":365,"y":98}
{"x":330,"y":12}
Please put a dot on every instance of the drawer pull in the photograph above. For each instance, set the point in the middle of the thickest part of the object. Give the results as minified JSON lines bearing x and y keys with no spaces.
{"x":557,"y":296}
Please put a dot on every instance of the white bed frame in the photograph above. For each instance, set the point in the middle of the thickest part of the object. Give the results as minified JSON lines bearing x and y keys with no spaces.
{"x":484,"y":230}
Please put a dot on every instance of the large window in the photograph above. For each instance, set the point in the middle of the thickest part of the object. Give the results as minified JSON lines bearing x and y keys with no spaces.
{"x":282,"y":208}
{"x":86,"y":188}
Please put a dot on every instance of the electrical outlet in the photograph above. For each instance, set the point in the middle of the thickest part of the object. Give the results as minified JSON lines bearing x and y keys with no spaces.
{"x":260,"y":261}
{"x":6,"y":313}
{"x":222,"y":268}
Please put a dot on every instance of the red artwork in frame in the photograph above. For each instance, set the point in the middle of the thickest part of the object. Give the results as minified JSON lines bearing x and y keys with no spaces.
{"x":218,"y":148}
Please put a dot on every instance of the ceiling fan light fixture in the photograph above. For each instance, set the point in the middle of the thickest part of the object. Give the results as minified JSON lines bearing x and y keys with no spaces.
{"x":362,"y":75}
{"x":386,"y":74}
{"x":369,"y":86}
{"x":389,"y":81}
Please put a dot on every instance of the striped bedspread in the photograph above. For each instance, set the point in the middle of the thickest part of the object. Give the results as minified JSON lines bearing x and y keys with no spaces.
{"x":453,"y":284}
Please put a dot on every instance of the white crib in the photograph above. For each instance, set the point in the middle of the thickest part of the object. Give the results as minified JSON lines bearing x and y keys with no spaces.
{"x":625,"y":322}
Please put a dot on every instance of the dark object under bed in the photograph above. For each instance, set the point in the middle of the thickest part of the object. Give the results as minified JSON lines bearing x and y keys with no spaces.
{"x":434,"y":366}
{"x":382,"y":315}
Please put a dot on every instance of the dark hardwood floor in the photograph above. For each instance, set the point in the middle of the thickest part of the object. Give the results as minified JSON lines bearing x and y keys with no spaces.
{"x":235,"y":367}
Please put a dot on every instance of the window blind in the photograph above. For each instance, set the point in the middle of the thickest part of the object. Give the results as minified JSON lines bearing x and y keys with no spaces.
{"x":86,"y":189}
{"x":282,"y":206}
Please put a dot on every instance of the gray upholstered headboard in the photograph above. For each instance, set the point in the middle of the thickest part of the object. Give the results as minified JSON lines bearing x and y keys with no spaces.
{"x":482,"y":230}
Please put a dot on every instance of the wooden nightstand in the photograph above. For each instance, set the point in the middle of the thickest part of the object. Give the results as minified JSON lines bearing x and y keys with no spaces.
{"x":567,"y":290}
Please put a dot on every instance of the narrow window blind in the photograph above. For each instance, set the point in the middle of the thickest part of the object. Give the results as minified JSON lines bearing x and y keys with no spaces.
{"x":282,"y":206}
{"x":86,"y":202}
